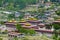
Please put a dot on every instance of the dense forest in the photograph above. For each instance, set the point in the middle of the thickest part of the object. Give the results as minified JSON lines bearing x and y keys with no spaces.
{"x":16,"y":4}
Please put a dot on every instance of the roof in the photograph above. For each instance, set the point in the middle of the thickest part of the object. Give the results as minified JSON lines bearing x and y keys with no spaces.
{"x":11,"y":29}
{"x":44,"y":31}
{"x":35,"y":21}
{"x":57,"y":21}
{"x":29,"y":26}
{"x":14,"y":33}
{"x":41,"y":24}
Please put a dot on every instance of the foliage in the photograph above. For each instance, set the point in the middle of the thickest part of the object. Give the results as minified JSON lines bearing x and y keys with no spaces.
{"x":25,"y":38}
{"x":55,"y":37}
{"x":21,"y":16}
{"x":31,"y":32}
{"x":58,"y":12}
{"x":56,"y":33}
{"x":1,"y":3}
{"x":41,"y":10}
{"x":10,"y":7}
{"x":23,"y":30}
{"x":6,"y":31}
{"x":56,"y":26}
{"x":1,"y":22}
{"x":11,"y":16}
{"x":1,"y":38}
{"x":16,"y":4}
{"x":15,"y":38}
{"x":58,"y":38}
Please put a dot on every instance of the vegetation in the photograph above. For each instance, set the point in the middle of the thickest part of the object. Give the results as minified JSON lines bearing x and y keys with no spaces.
{"x":56,"y":26}
{"x":41,"y":10}
{"x":36,"y":38}
{"x":11,"y":16}
{"x":56,"y":32}
{"x":1,"y":22}
{"x":1,"y":38}
{"x":43,"y":37}
{"x":16,"y":4}
{"x":25,"y":31}
{"x":15,"y":38}
{"x":21,"y":16}
{"x":25,"y":38}
{"x":58,"y":12}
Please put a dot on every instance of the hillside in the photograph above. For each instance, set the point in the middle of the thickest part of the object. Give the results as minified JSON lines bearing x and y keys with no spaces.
{"x":16,"y":4}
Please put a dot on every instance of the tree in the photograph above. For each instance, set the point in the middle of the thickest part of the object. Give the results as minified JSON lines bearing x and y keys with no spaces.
{"x":1,"y":22}
{"x":56,"y":27}
{"x":12,"y":4}
{"x":25,"y":38}
{"x":31,"y":32}
{"x":1,"y":3}
{"x":15,"y":38}
{"x":25,"y":31}
{"x":21,"y":16}
{"x":41,"y":10}
{"x":1,"y":38}
{"x":20,"y":28}
{"x":11,"y":16}
{"x":58,"y":12}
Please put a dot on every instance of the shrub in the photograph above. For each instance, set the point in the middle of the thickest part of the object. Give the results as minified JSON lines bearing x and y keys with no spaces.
{"x":1,"y":38}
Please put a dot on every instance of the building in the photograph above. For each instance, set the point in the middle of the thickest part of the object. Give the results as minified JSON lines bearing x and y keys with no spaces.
{"x":13,"y":35}
{"x":27,"y":16}
{"x":47,"y":4}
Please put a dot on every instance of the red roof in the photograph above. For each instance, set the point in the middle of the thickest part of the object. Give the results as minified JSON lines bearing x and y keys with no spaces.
{"x":57,"y":21}
{"x":41,"y":24}
{"x":44,"y":31}
{"x":14,"y":33}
